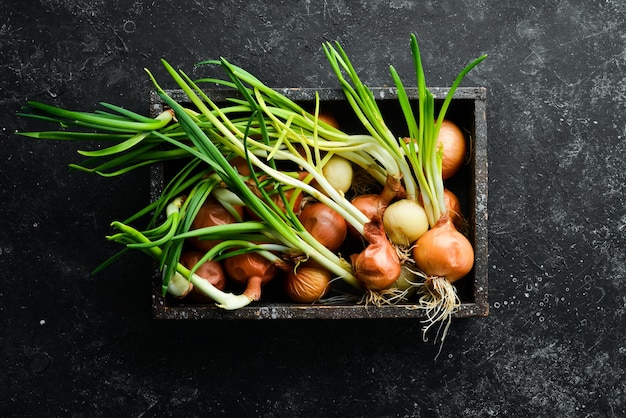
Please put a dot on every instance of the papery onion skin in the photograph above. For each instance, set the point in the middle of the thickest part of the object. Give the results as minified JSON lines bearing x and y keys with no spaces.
{"x":211,"y":213}
{"x":325,"y":224}
{"x":452,"y":140}
{"x":370,"y":205}
{"x":378,"y":266}
{"x":328,"y":118}
{"x":373,"y":205}
{"x":453,"y":205}
{"x":444,"y":252}
{"x":252,"y":270}
{"x":405,"y":221}
{"x":308,"y":283}
{"x":211,"y":271}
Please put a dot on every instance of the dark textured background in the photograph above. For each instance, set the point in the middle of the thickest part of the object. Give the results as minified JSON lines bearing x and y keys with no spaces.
{"x":554,"y":343}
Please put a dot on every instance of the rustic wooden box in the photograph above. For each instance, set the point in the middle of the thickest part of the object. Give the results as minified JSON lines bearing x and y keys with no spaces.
{"x":467,"y":110}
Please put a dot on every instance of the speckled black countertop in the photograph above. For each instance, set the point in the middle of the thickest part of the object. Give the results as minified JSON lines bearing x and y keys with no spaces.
{"x":553,"y":345}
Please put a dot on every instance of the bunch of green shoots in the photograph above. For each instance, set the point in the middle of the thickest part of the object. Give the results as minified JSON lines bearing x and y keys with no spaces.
{"x":211,"y":136}
{"x":266,"y":129}
{"x":419,"y":160}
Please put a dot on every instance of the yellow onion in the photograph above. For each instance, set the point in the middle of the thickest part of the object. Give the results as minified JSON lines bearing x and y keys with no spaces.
{"x":211,"y":213}
{"x":378,"y":266}
{"x":308,"y":283}
{"x":452,"y":140}
{"x":453,"y":206}
{"x":444,"y":252}
{"x":405,"y":221}
{"x":252,"y":270}
{"x":211,"y":271}
{"x":325,"y":224}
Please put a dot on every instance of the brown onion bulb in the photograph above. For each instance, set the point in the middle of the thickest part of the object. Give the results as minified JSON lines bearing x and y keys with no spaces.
{"x":241,"y":165}
{"x":308,"y":283}
{"x":211,"y":213}
{"x":373,"y":205}
{"x":211,"y":271}
{"x":452,"y":140}
{"x":454,"y":207}
{"x":378,"y":266}
{"x":328,"y":118}
{"x":252,"y":270}
{"x":444,"y":252}
{"x":370,"y":205}
{"x":325,"y":224}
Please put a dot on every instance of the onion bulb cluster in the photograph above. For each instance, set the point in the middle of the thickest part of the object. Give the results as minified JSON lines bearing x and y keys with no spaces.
{"x":397,"y":250}
{"x":294,"y":213}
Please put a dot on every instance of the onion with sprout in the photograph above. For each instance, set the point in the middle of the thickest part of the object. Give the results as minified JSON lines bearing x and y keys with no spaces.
{"x":325,"y":224}
{"x":209,"y":270}
{"x":378,"y":265}
{"x":442,"y":253}
{"x":264,"y":152}
{"x":252,"y":270}
{"x":307,"y":282}
{"x":211,"y":213}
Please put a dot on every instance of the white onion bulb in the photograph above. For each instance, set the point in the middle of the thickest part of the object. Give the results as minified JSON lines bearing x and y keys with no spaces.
{"x":338,"y":172}
{"x":405,"y":221}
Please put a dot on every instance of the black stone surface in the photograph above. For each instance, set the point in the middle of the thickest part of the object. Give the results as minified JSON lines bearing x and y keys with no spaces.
{"x":554,"y":344}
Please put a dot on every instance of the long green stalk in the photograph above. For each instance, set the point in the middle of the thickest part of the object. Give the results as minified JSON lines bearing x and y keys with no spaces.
{"x":208,"y":152}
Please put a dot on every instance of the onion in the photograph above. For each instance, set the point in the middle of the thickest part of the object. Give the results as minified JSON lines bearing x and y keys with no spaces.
{"x":454,"y":207}
{"x":241,"y":165}
{"x":405,"y":221}
{"x":252,"y":270}
{"x":405,"y":286}
{"x":211,"y":271}
{"x":445,"y":256}
{"x":178,"y":286}
{"x":378,"y":266}
{"x":325,"y":224}
{"x":452,"y":141}
{"x":328,"y":118}
{"x":211,"y":213}
{"x":308,"y":283}
{"x":443,"y":252}
{"x":373,"y":205}
{"x":338,"y":172}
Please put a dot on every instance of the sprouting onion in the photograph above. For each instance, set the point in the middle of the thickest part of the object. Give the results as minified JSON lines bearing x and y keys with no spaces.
{"x":132,"y":237}
{"x":442,"y":253}
{"x":292,"y":233}
{"x":235,"y":152}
